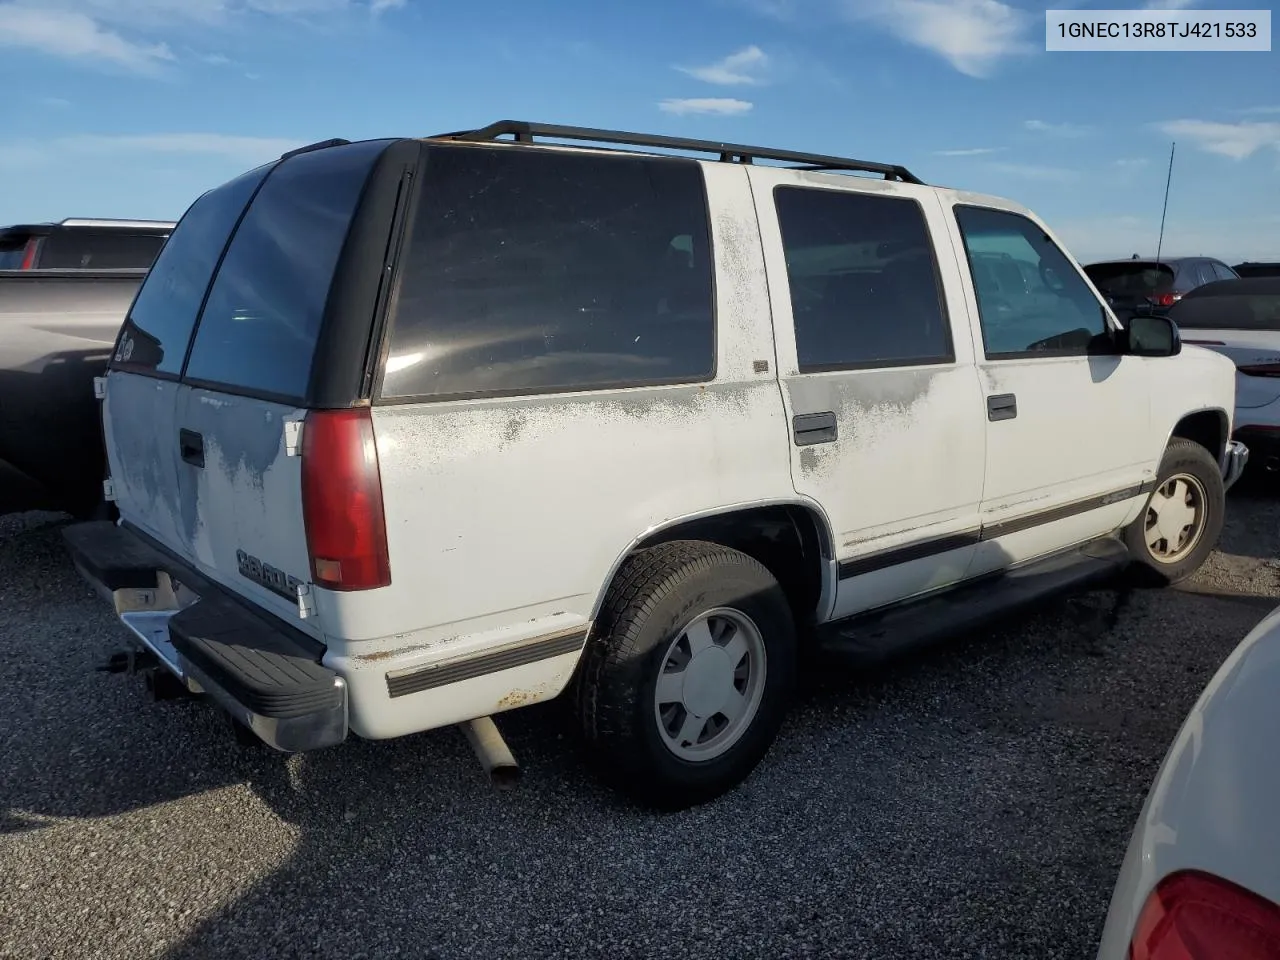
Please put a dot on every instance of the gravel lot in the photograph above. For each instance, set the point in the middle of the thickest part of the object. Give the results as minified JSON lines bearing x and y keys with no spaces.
{"x":973,"y":800}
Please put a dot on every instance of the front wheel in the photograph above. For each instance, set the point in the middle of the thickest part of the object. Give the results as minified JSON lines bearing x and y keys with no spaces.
{"x":688,"y":674}
{"x":1182,"y":520}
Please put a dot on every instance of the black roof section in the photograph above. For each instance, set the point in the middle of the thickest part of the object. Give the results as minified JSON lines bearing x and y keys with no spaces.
{"x":525,"y":132}
{"x":1244,"y":287}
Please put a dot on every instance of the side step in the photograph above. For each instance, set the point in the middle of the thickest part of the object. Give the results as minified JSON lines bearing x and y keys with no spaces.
{"x":879,"y":634}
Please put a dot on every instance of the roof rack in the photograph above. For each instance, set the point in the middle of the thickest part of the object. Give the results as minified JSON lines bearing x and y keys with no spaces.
{"x":525,"y":132}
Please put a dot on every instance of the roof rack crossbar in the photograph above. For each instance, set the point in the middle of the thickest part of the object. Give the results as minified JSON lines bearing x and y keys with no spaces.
{"x":525,"y":132}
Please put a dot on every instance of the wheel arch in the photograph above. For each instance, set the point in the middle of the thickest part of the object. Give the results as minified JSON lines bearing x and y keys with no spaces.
{"x":1208,"y":426}
{"x":775,"y":532}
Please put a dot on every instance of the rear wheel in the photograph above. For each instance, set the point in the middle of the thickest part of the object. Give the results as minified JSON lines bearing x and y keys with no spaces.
{"x":1182,"y":520}
{"x":687,"y":678}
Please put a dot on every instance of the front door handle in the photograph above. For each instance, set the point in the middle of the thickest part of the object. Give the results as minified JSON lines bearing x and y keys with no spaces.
{"x":1002,"y":406}
{"x":810,"y":428}
{"x":191,"y":446}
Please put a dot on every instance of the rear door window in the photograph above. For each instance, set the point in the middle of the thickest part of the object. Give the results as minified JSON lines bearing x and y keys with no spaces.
{"x":73,"y":248}
{"x":159,"y":325}
{"x":258,"y":330}
{"x":540,"y":271}
{"x":1136,"y":279}
{"x":864,"y":282}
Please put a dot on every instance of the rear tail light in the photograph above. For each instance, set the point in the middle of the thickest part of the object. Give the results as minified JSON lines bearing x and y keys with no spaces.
{"x":1261,"y":369}
{"x":29,"y":254}
{"x":342,"y":501}
{"x":1164,"y":299}
{"x":1197,"y":916}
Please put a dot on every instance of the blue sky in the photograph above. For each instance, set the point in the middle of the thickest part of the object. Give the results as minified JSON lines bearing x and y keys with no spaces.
{"x":130,"y":108}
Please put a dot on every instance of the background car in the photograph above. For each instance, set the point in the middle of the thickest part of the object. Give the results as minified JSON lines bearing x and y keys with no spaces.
{"x":1241,"y":319}
{"x":1141,"y":285}
{"x":83,"y":244}
{"x":1201,"y":877}
{"x":1258,"y":269}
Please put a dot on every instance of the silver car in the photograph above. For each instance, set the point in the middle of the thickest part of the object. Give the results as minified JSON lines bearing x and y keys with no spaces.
{"x":1201,"y":878}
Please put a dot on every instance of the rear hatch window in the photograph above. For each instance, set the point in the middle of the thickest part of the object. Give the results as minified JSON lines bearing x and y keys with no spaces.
{"x":79,"y":249}
{"x":257,"y":333}
{"x":1132,"y":281}
{"x":13,"y":248}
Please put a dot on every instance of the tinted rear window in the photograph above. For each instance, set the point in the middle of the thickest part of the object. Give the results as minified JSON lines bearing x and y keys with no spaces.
{"x":159,"y":325}
{"x":79,"y":249}
{"x":259,"y":327}
{"x":1131,"y":279}
{"x":864,"y":285}
{"x":533,"y":271}
{"x":1249,"y":312}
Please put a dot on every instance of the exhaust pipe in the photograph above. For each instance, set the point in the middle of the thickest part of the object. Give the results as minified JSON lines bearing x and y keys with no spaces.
{"x":492,"y":751}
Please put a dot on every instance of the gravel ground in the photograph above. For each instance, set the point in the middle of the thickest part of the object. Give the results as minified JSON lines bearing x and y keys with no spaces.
{"x":973,"y":800}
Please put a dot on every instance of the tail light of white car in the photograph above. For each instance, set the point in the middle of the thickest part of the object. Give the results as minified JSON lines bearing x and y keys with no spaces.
{"x":1193,"y":915}
{"x":342,"y":501}
{"x":1260,"y":369}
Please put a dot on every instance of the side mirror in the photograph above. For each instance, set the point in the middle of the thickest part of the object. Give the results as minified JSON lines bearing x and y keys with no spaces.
{"x":1152,"y":335}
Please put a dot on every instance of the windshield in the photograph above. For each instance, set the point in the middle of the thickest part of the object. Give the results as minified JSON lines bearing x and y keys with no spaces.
{"x":1259,"y":311}
{"x":1137,"y":278}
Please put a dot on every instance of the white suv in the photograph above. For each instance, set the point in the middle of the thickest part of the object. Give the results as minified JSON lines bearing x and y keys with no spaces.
{"x":405,"y":433}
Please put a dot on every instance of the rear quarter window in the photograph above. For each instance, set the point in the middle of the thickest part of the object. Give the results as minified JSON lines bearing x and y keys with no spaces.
{"x":533,"y":271}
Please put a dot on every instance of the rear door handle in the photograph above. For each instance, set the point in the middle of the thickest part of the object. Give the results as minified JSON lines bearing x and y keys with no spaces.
{"x":191,"y":445}
{"x":810,"y":428}
{"x":1002,"y":406}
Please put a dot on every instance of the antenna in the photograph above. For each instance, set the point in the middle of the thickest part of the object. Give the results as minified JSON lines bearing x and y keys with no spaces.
{"x":1163,"y":213}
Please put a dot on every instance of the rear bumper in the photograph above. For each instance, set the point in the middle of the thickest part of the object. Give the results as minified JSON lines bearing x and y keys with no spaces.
{"x":261,"y":671}
{"x":1234,"y":459}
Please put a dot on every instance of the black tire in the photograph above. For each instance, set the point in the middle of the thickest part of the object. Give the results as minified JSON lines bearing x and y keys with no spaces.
{"x":656,"y":593}
{"x":1181,"y":458}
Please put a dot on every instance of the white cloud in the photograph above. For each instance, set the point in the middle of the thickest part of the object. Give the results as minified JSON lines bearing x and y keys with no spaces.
{"x":968,"y":152}
{"x":243,"y":150}
{"x":76,"y":36}
{"x":1258,"y":111}
{"x":1029,"y":171}
{"x":1235,"y":140}
{"x":60,"y":103}
{"x":741,"y":67}
{"x":1131,"y":163}
{"x":1169,"y":4}
{"x":972,"y":35}
{"x":723,"y":106}
{"x":1065,"y":130}
{"x":132,"y":34}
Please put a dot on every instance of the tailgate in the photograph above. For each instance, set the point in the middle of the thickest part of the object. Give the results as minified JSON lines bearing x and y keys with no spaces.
{"x":234,"y":311}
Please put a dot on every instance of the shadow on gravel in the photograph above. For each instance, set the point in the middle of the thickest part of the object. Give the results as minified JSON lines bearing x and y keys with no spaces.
{"x":901,"y":812}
